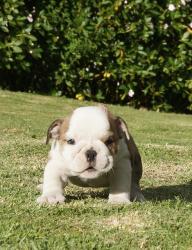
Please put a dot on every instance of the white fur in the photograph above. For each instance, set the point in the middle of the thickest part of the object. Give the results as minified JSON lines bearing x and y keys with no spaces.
{"x":88,"y":126}
{"x":88,"y":123}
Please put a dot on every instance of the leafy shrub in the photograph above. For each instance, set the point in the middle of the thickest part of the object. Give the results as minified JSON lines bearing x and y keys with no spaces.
{"x":129,"y":52}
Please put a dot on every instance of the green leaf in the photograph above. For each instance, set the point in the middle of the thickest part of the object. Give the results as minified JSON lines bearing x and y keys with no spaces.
{"x":17,"y":49}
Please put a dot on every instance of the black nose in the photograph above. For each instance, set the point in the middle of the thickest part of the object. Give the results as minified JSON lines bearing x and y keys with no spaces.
{"x":91,"y":155}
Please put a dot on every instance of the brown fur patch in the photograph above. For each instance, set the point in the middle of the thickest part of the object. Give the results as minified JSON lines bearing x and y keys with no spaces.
{"x":63,"y":129}
{"x":113,"y":147}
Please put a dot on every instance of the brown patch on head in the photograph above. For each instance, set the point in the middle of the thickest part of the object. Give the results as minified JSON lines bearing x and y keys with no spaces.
{"x":112,"y":140}
{"x":63,"y":129}
{"x":117,"y":125}
{"x":113,"y":127}
{"x":57,"y":129}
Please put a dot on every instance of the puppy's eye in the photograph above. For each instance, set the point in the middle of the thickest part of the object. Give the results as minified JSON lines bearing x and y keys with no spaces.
{"x":71,"y":141}
{"x":109,"y":141}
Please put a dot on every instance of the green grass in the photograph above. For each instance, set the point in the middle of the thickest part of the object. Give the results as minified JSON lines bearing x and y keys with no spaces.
{"x":86,"y":220}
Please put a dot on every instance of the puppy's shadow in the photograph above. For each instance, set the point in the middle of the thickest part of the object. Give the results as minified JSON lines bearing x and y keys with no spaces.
{"x":172,"y":192}
{"x":161,"y":193}
{"x":85,"y":195}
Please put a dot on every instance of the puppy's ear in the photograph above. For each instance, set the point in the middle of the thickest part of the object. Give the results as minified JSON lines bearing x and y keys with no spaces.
{"x":122,"y":128}
{"x":134,"y":152}
{"x":54,"y":129}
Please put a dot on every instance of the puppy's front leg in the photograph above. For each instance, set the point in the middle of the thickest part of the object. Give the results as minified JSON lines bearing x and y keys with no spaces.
{"x":120,"y":182}
{"x":53,"y":184}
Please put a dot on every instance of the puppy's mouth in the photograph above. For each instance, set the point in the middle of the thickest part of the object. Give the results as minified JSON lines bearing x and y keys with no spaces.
{"x":90,"y":169}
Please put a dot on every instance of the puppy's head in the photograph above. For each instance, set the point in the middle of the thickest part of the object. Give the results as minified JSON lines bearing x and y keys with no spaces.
{"x":87,"y":141}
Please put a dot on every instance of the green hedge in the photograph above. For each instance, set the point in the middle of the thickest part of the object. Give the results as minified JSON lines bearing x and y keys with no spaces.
{"x":135,"y":52}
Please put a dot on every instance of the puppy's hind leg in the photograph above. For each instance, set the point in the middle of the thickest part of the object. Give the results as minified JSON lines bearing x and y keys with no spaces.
{"x":120,"y":183}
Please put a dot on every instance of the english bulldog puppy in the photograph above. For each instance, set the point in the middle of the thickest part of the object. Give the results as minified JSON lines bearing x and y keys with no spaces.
{"x":92,"y":148}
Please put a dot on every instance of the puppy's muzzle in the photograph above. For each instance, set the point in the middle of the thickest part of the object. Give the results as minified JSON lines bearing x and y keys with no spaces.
{"x":91,"y":155}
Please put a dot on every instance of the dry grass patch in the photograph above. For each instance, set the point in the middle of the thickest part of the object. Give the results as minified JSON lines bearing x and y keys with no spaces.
{"x":132,"y":222}
{"x":167,"y":173}
{"x":168,"y":146}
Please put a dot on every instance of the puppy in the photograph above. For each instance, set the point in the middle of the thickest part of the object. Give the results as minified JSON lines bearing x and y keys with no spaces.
{"x":92,"y":148}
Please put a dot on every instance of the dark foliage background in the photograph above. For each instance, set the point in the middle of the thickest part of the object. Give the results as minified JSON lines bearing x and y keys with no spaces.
{"x":133,"y":51}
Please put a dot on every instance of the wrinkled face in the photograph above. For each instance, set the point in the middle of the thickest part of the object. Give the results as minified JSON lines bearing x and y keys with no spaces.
{"x":89,"y":143}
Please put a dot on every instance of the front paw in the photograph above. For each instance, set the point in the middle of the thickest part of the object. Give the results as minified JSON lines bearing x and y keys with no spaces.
{"x":118,"y":199}
{"x":51,"y":198}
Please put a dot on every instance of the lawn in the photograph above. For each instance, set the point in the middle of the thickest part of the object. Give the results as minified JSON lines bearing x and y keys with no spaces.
{"x":86,"y":220}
